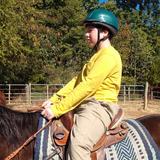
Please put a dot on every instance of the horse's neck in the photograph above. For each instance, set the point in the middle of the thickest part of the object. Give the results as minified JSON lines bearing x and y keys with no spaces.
{"x":67,"y":120}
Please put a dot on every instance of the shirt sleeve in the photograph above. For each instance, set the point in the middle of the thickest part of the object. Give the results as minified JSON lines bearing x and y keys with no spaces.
{"x":64,"y":91}
{"x":100,"y":70}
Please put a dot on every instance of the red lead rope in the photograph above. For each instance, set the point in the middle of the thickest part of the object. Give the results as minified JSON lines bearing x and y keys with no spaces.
{"x":13,"y":154}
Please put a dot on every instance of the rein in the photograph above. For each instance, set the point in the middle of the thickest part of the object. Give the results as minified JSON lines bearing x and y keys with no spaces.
{"x":13,"y":154}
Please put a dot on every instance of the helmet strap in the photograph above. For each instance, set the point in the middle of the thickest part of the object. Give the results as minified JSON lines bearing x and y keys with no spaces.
{"x":99,"y":40}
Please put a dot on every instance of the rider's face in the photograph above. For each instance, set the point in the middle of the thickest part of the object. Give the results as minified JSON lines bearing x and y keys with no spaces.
{"x":91,"y":34}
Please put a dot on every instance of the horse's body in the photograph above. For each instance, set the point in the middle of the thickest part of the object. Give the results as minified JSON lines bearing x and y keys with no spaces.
{"x":16,"y":127}
{"x":152,"y":124}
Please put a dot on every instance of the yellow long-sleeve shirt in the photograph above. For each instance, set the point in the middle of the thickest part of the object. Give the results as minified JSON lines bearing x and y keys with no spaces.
{"x":100,"y":78}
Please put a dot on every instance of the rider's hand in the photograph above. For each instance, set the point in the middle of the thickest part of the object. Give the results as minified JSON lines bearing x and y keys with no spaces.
{"x":47,"y":112}
{"x":47,"y":103}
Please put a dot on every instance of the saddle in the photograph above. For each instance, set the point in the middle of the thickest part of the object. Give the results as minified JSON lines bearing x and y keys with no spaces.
{"x":117,"y":131}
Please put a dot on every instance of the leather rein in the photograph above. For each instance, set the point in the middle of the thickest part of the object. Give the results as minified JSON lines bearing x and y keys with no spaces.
{"x":13,"y":154}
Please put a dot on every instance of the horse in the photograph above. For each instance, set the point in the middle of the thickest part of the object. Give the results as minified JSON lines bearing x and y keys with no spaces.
{"x":16,"y":127}
{"x":2,"y":98}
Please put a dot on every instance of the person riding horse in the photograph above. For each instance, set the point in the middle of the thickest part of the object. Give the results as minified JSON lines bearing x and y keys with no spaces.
{"x":92,"y":94}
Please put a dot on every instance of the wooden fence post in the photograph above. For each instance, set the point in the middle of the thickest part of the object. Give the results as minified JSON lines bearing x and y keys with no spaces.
{"x":146,"y":96}
{"x":9,"y":93}
{"x":129,"y":93}
{"x":30,"y":93}
{"x":47,"y":91}
{"x":27,"y":94}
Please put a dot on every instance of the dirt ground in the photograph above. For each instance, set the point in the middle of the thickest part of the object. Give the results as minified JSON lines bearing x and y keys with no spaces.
{"x":135,"y":110}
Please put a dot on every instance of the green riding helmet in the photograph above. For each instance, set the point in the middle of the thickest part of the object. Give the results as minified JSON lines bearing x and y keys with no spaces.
{"x":104,"y":18}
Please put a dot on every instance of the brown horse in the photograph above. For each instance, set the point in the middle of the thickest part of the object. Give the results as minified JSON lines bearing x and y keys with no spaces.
{"x":16,"y":127}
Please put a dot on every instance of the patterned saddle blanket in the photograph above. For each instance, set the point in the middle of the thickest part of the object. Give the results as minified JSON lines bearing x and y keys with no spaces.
{"x":138,"y":145}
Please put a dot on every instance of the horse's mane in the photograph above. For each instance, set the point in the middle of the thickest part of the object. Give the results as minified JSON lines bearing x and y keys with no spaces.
{"x":15,"y":126}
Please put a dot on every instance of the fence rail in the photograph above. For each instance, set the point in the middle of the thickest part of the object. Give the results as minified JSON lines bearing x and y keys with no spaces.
{"x":131,"y":93}
{"x":31,"y":93}
{"x":28,"y":93}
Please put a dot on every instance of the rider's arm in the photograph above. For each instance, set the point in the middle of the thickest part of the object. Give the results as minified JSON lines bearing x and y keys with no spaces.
{"x":100,"y":70}
{"x":63,"y":91}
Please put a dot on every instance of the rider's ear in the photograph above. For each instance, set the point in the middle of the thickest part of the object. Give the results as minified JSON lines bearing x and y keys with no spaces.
{"x":106,"y":32}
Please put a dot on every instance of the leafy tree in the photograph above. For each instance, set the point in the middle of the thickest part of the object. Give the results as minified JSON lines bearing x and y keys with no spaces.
{"x":91,"y":4}
{"x":67,"y":46}
{"x":42,"y":41}
{"x":142,"y":17}
{"x":11,"y":46}
{"x":21,"y":37}
{"x":142,"y":56}
{"x":155,"y":70}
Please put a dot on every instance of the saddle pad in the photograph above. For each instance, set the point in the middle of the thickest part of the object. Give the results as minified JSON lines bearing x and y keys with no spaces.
{"x":43,"y":148}
{"x":138,"y":145}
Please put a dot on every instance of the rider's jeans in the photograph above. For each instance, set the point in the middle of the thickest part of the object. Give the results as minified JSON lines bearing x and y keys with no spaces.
{"x":90,"y":123}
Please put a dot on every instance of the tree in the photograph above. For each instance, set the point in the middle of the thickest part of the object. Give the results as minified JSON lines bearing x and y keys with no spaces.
{"x":11,"y":46}
{"x":21,"y":35}
{"x":42,"y":41}
{"x":142,"y":17}
{"x":67,"y":41}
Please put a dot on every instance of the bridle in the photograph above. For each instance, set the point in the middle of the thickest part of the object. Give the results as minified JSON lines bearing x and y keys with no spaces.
{"x":13,"y":154}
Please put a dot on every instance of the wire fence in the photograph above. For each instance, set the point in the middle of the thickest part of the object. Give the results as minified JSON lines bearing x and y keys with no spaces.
{"x":32,"y":93}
